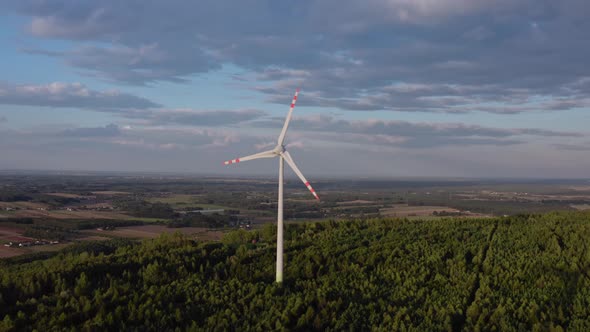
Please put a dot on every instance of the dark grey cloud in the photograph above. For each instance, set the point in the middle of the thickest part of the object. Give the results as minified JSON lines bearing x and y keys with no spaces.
{"x":413,"y":135}
{"x":142,"y":64}
{"x":506,"y":56}
{"x":75,"y":95}
{"x":190,"y":117}
{"x":106,"y":131}
{"x":3,"y":119}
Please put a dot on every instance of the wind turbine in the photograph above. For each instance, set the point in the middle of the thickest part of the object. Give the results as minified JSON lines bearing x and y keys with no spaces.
{"x":283,"y":154}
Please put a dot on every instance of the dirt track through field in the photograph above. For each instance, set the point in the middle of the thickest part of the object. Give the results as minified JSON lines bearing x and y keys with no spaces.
{"x":153,"y":231}
{"x":403,"y":210}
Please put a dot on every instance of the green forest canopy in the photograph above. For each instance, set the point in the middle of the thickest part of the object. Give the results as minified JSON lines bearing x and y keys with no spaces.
{"x":527,"y":272}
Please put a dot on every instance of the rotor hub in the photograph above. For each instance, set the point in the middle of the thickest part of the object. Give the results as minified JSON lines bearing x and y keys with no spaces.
{"x":279,"y":149}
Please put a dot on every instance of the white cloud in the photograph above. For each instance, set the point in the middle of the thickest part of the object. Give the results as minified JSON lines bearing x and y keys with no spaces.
{"x":76,"y":95}
{"x":110,"y":130}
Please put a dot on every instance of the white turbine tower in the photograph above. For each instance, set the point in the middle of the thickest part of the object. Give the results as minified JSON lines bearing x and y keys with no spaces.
{"x":283,"y":154}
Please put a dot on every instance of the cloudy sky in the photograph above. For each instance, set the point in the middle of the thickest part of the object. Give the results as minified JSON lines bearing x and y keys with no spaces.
{"x":461,"y":88}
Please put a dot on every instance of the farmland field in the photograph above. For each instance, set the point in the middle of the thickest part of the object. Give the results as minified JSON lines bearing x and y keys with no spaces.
{"x":581,"y":206}
{"x":111,"y":192}
{"x":66,"y":195}
{"x":8,"y":233}
{"x":22,"y":205}
{"x":64,"y":214}
{"x":185,"y":201}
{"x":6,"y":252}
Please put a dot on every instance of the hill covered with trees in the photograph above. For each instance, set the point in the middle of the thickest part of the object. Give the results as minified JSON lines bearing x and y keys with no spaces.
{"x":528,"y":272}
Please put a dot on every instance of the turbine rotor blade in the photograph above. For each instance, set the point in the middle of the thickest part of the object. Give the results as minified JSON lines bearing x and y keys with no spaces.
{"x":265,"y":154}
{"x":291,"y":163}
{"x":288,"y":119}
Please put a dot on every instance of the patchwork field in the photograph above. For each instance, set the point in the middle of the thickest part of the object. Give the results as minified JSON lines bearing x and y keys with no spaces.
{"x":14,"y":234}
